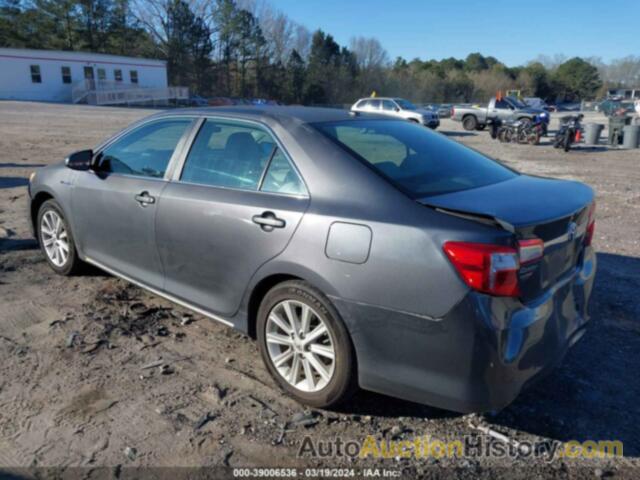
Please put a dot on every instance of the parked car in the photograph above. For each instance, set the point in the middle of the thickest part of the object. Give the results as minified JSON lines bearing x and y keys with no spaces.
{"x":444,"y":110}
{"x":568,"y":107}
{"x":198,"y":101}
{"x":611,"y":107}
{"x":476,"y":118}
{"x":397,"y":107}
{"x":357,"y":249}
{"x":536,"y":102}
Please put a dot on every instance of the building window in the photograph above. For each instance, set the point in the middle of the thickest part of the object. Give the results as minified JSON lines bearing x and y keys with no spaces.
{"x":35,"y":74}
{"x":102,"y":74}
{"x":133,"y":74}
{"x":117,"y":75}
{"x":66,"y":75}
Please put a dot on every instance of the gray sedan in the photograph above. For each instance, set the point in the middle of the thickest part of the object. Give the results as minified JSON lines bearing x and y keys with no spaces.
{"x":358,"y":250}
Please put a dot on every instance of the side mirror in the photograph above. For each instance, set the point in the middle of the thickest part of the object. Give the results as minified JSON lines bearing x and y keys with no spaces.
{"x":79,"y":160}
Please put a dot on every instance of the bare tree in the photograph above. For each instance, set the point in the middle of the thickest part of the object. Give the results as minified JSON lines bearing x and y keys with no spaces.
{"x":301,"y":40}
{"x":277,"y":30}
{"x":369,"y":53}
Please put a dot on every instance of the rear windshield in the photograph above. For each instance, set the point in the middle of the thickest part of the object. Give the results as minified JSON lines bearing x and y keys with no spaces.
{"x":419,"y":161}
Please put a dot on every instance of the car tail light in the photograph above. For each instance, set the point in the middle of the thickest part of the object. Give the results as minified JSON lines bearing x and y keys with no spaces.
{"x":530,"y":250}
{"x":491,"y":269}
{"x":591,"y":225}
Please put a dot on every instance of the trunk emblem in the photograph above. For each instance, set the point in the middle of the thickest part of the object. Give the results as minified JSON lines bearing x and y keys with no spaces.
{"x":571,"y":230}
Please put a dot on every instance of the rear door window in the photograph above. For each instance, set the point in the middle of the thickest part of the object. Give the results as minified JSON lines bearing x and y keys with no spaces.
{"x":228,"y":154}
{"x":374,"y":104}
{"x":281,"y":177}
{"x":145,"y":151}
{"x":388,"y":105}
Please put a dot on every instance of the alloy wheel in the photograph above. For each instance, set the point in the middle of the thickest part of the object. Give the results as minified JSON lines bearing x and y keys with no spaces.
{"x":55,"y":238}
{"x":300,"y":346}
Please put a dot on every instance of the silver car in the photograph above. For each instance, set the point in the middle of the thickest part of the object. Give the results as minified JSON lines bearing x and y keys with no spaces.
{"x":399,"y":108}
{"x":359,"y":250}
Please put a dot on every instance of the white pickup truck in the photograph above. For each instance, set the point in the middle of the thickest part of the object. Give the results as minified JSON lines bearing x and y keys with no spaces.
{"x":476,"y":118}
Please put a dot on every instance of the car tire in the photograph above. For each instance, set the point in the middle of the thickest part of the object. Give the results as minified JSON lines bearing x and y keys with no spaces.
{"x":469,"y":122}
{"x":566,"y":143}
{"x":56,"y":240}
{"x":321,"y":392}
{"x":525,"y":121}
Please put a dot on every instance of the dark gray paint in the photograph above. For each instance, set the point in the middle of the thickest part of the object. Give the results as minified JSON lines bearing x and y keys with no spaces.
{"x":418,"y":331}
{"x":348,"y":242}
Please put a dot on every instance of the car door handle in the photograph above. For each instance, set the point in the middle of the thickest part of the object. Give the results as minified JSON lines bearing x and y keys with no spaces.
{"x":145,"y":199}
{"x":268,"y":221}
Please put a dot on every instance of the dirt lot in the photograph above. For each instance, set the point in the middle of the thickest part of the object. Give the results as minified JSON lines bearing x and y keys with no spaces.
{"x":74,"y":390}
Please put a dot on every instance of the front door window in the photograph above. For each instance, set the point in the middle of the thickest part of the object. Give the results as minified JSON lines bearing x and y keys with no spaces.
{"x":146,"y":151}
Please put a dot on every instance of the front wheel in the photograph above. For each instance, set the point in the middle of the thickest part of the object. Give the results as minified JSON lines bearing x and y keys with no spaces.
{"x":56,"y":240}
{"x":504,"y":135}
{"x":305,"y":345}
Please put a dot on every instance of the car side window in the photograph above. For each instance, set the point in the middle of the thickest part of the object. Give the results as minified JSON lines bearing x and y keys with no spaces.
{"x":281,"y":177}
{"x":374,"y":105}
{"x":503,"y":104}
{"x":145,"y":151}
{"x":388,"y":105}
{"x":228,"y":154}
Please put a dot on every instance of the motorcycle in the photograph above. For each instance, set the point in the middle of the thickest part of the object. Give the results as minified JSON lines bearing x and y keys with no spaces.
{"x":519,"y":131}
{"x":570,"y":132}
{"x":531,"y":131}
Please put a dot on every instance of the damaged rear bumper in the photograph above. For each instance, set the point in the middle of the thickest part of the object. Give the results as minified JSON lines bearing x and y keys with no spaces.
{"x":480,"y":355}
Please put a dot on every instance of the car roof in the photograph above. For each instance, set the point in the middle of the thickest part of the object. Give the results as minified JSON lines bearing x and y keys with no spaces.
{"x":276,"y":113}
{"x":380,"y":98}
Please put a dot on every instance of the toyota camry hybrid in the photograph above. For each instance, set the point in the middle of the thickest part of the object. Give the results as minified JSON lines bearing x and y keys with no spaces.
{"x":357,"y":249}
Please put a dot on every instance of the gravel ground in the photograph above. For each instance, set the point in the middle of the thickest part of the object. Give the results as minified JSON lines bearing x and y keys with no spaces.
{"x":82,"y":382}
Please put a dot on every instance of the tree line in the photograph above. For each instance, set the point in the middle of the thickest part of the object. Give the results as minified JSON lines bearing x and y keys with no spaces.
{"x":246,"y":48}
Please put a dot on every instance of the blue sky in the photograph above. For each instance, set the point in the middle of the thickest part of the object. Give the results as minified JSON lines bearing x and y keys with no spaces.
{"x":512,"y":31}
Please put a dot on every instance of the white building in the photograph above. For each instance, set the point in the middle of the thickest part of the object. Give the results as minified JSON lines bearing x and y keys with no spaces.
{"x":82,"y":77}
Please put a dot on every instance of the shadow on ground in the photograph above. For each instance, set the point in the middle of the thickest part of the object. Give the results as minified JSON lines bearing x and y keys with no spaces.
{"x":21,"y":165}
{"x":458,"y":134}
{"x":13,"y":182}
{"x":593,"y":394}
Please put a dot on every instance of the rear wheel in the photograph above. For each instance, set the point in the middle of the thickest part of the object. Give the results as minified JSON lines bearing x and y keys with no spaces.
{"x":469,"y":122}
{"x":305,"y":345}
{"x":56,"y":240}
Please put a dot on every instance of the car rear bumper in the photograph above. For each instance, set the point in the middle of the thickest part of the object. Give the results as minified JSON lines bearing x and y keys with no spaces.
{"x":480,"y":355}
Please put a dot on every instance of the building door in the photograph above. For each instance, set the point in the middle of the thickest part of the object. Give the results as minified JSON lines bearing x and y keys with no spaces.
{"x":89,"y":78}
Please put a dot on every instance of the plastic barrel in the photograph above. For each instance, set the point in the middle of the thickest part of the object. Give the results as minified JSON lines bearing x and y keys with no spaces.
{"x":631,"y":136}
{"x":592,"y":133}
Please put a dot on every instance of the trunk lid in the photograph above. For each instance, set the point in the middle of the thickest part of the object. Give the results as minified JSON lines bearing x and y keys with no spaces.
{"x":555,"y":211}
